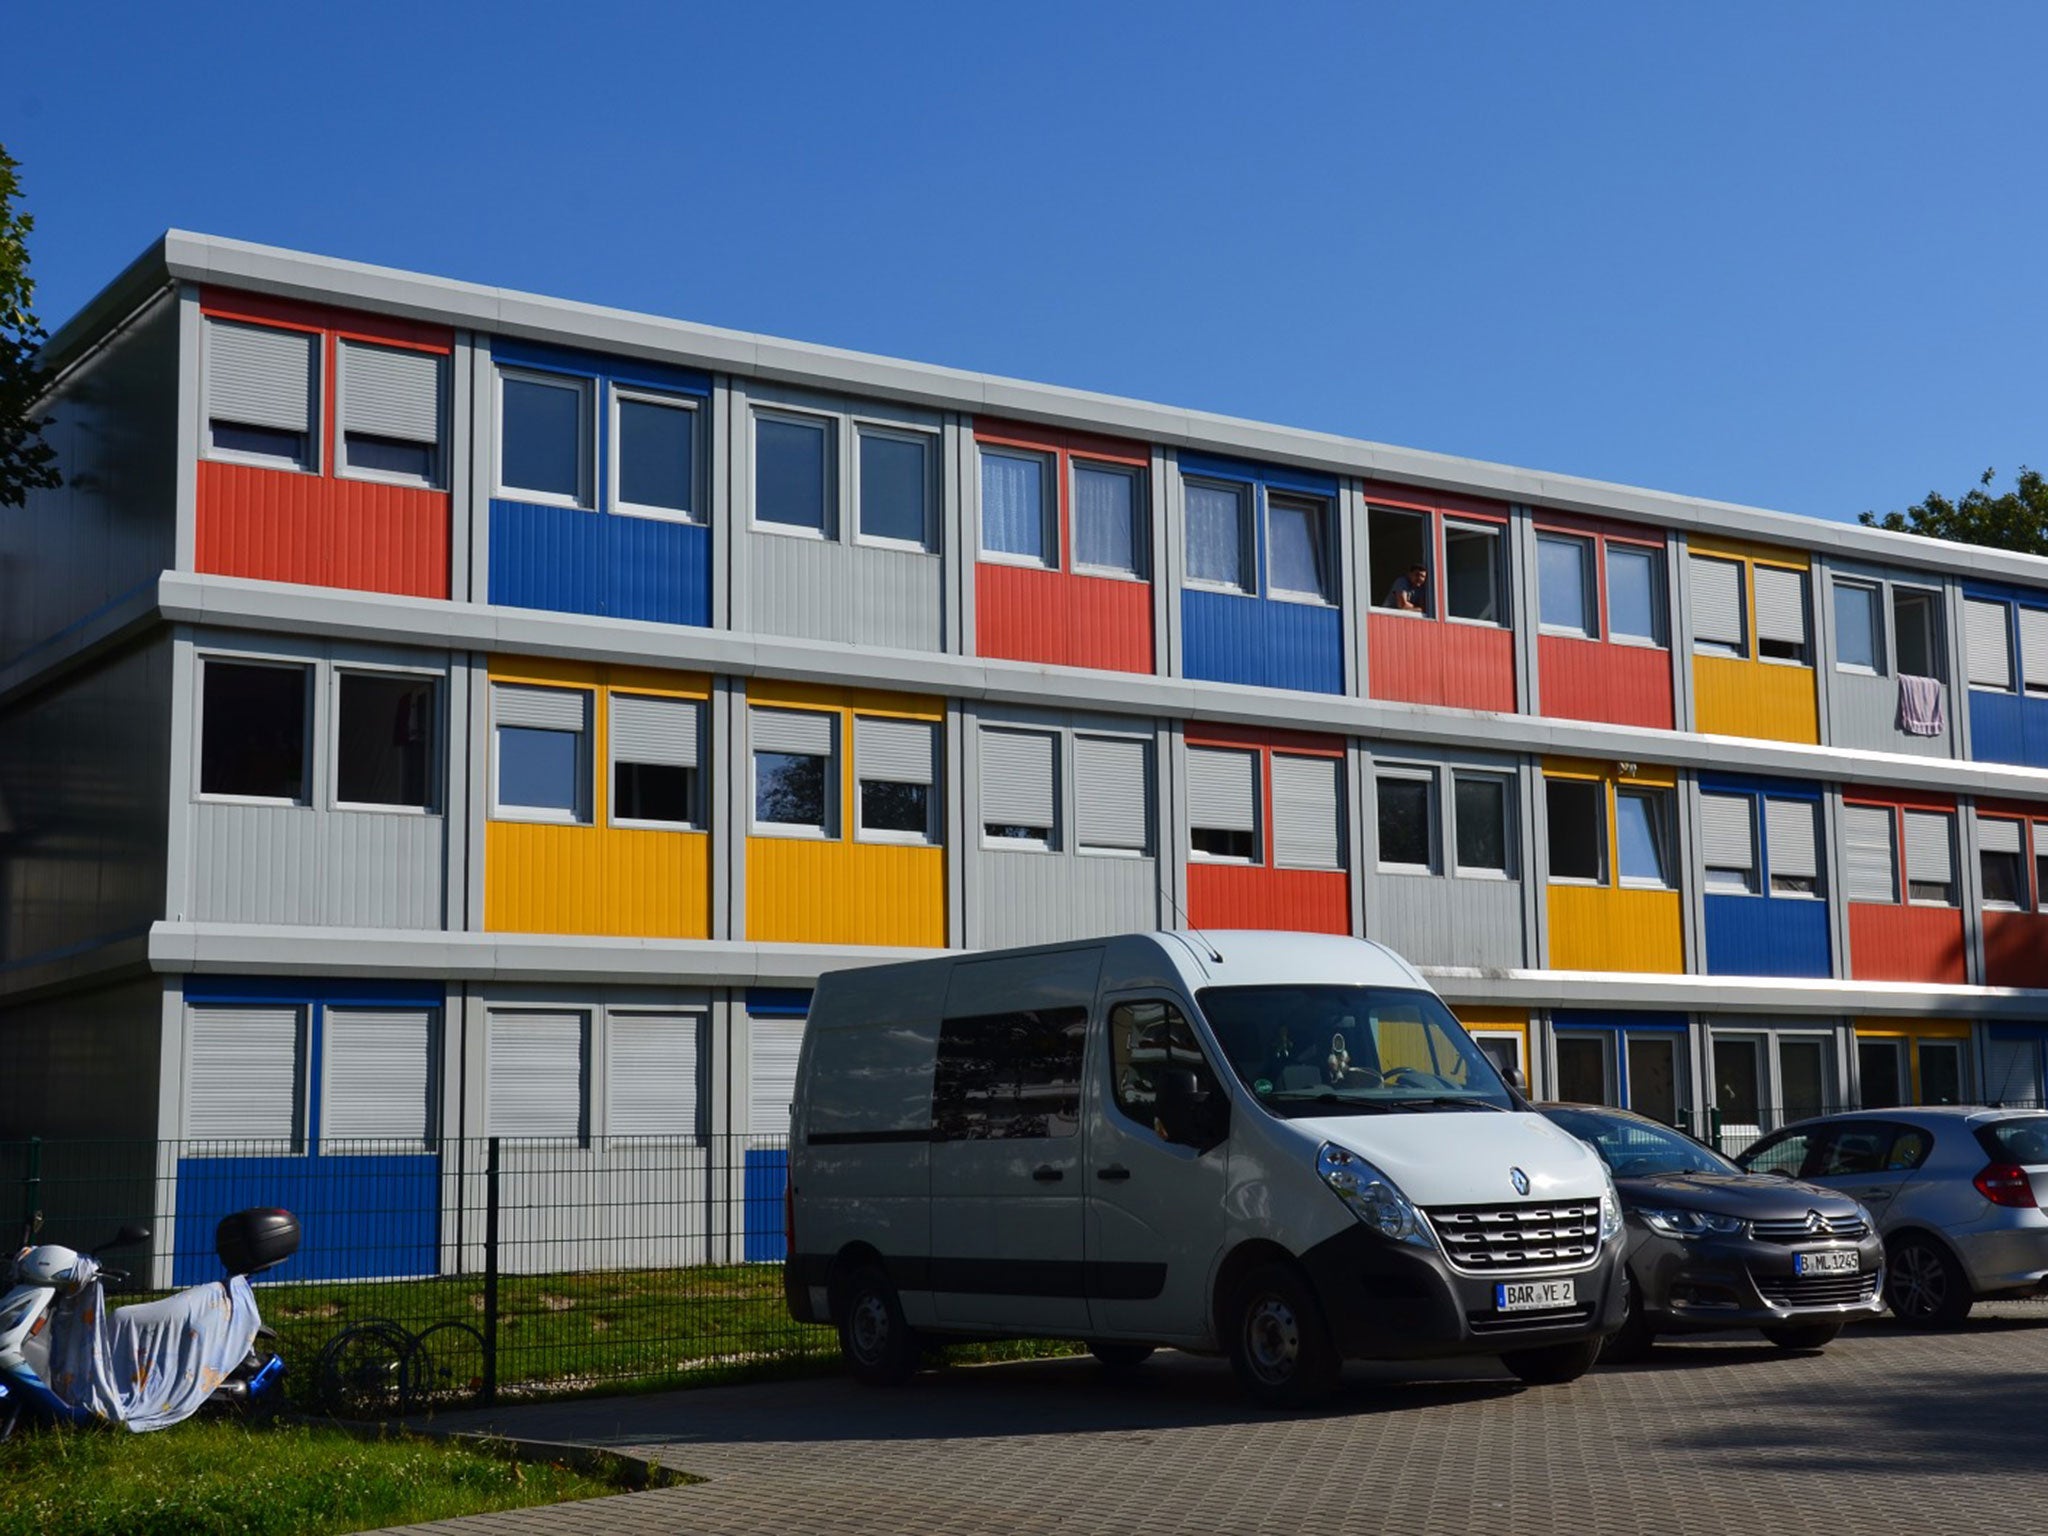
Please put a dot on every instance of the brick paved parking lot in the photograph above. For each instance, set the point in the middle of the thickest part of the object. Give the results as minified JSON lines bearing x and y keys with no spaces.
{"x":1887,"y":1432}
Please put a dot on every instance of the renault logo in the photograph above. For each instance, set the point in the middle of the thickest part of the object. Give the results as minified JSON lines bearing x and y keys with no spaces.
{"x":1520,"y":1180}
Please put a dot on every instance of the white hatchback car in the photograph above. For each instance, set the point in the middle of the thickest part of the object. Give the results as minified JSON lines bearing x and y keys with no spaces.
{"x":1957,"y":1191}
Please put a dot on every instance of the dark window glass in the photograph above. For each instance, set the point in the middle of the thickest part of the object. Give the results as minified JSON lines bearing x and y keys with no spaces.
{"x":790,"y":460}
{"x":1779,"y":1154}
{"x":1504,"y":1051}
{"x":1913,"y":633}
{"x":2004,"y":885}
{"x":654,"y":792}
{"x":1802,"y":1079}
{"x":1404,"y":821}
{"x":1398,"y":546}
{"x":1482,"y":810}
{"x":385,"y":748}
{"x":389,"y":455}
{"x":2022,"y":1141}
{"x":1223,"y":842}
{"x":1472,"y":572}
{"x":1009,"y":1076}
{"x":267,"y":442}
{"x":1735,"y":1082}
{"x":1009,"y":831}
{"x":1578,"y":829}
{"x":1653,"y":1076}
{"x":1582,"y":1069}
{"x":1147,"y":1040}
{"x":1855,"y":1147}
{"x":1941,"y":1072}
{"x":1909,"y":1150}
{"x":656,"y":455}
{"x":253,"y":740}
{"x":540,"y":438}
{"x":1878,"y":1070}
{"x":894,"y":486}
{"x":789,"y":789}
{"x":539,"y":770}
{"x":886,"y":807}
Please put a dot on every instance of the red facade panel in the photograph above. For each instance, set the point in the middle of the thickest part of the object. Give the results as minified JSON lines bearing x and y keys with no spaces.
{"x":1254,"y":896}
{"x":275,"y":525}
{"x":1024,"y":613}
{"x":1902,"y":943}
{"x":1620,"y":684}
{"x":2015,"y":949}
{"x":1459,"y":666}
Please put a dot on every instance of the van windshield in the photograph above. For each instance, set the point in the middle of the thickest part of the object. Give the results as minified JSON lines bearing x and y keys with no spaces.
{"x":1321,"y":1050}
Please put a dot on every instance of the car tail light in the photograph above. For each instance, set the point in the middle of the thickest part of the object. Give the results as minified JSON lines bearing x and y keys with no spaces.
{"x":2006,"y":1184}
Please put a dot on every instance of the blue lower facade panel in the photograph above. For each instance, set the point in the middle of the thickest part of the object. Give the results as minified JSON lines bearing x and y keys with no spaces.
{"x":1767,"y":936}
{"x":363,"y":1218}
{"x":567,"y":560}
{"x":1262,"y":643}
{"x":767,"y":1176}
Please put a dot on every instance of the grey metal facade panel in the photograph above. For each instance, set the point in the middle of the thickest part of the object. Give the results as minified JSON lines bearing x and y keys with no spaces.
{"x":1863,"y":714}
{"x":1041,"y":898}
{"x":296,"y":864}
{"x":851,"y":594}
{"x":83,"y":1064}
{"x":1447,"y":920}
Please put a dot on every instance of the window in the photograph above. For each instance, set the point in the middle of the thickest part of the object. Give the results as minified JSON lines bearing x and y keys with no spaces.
{"x":380,"y":1078}
{"x":1298,"y":553}
{"x":1856,"y":611}
{"x":1869,"y":866}
{"x":1881,"y":1073}
{"x":1481,"y":811}
{"x":534,"y":1083}
{"x":1913,"y":643}
{"x":1223,"y":804}
{"x":1472,"y":573}
{"x":792,"y":771}
{"x":1793,"y":829}
{"x":1218,"y":525}
{"x":252,"y":741}
{"x":1407,"y":836}
{"x":1719,"y":625}
{"x":543,"y":439}
{"x":1784,"y":1153}
{"x":1999,"y":857}
{"x":2040,"y":830}
{"x":1107,"y":525}
{"x":1635,"y":595}
{"x":1987,"y":634}
{"x":1728,"y":835}
{"x":893,"y":761}
{"x":260,"y":394}
{"x":655,"y":760}
{"x":384,"y":739}
{"x":1398,"y":543}
{"x":654,"y":456}
{"x":1738,"y":1080}
{"x":793,"y":473}
{"x":1780,"y":614}
{"x":1642,"y":827}
{"x":654,"y":1082}
{"x":1016,"y":510}
{"x":390,"y":413}
{"x":1009,"y":1076}
{"x":1941,"y":1071}
{"x":1585,"y":1068}
{"x":1930,"y":858}
{"x":1564,"y":569}
{"x":541,"y":762}
{"x":1019,"y":787}
{"x":895,"y":487}
{"x":1308,"y":822}
{"x":1576,"y":811}
{"x":244,"y":1078}
{"x":2034,"y":649}
{"x":1112,"y":794}
{"x":1146,"y":1040}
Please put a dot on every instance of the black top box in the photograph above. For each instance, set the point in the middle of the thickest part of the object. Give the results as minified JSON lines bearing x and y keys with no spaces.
{"x":249,"y":1242}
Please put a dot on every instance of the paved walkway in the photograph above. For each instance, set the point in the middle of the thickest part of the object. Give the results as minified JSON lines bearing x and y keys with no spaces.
{"x":1886,"y":1432}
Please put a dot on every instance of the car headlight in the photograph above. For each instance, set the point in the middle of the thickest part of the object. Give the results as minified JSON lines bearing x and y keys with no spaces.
{"x":1681,"y":1223}
{"x":1611,"y":1221}
{"x":1869,"y":1216}
{"x":1374,"y":1198}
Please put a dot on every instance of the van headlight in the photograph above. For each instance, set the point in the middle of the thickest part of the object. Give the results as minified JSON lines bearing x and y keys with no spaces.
{"x":1374,"y":1198}
{"x":1610,"y":1209}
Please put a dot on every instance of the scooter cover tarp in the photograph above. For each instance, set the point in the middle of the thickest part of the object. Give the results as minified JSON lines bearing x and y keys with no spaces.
{"x":152,"y":1364}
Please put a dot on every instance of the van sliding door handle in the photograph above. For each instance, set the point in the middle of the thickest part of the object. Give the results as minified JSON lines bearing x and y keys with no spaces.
{"x":1047,"y":1174}
{"x":1114,"y":1173}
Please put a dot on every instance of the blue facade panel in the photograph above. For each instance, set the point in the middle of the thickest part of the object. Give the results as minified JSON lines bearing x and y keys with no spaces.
{"x":2007,"y":728}
{"x":1261,"y":643}
{"x":767,"y":1176}
{"x":1767,"y":936}
{"x":566,"y":560}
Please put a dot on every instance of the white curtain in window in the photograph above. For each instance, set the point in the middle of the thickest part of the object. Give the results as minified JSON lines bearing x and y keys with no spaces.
{"x":1105,"y":518}
{"x":1216,"y":534}
{"x":1296,"y":529}
{"x":1013,"y":505}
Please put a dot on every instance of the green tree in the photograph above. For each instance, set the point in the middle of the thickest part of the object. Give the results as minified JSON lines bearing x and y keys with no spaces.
{"x":2016,"y":519}
{"x":27,"y":463}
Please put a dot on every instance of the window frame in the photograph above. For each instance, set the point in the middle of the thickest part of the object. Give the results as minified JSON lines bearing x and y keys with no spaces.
{"x":585,"y":388}
{"x":1507,"y":779}
{"x":1260,"y":830}
{"x":1660,"y":796}
{"x":927,"y":443}
{"x":313,"y":461}
{"x":2020,"y":862}
{"x":1954,"y":899}
{"x":932,"y":835}
{"x":1051,"y":843}
{"x":1880,"y":648}
{"x":1140,"y":520}
{"x":1659,"y":558}
{"x":1804,"y":574}
{"x":700,"y":809}
{"x":1931,"y":597}
{"x":437,"y":477}
{"x":1246,"y":493}
{"x":1433,"y":563}
{"x":584,"y":812}
{"x":1768,"y":873}
{"x":1745,"y":598}
{"x":1324,"y":520}
{"x":1086,"y":850}
{"x":639,"y":394}
{"x":829,"y":427}
{"x":1589,"y":586}
{"x":1603,"y":834}
{"x":437,"y":739}
{"x":1432,"y":812}
{"x":832,"y":823}
{"x":1048,"y":508}
{"x":1497,"y":535}
{"x":308,"y":668}
{"x":1756,"y":879}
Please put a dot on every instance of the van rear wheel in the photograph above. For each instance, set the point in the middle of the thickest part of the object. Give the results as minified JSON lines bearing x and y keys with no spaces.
{"x":880,"y":1349}
{"x":1279,"y":1344}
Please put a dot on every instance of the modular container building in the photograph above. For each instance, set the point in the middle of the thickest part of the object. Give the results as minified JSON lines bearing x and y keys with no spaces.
{"x":428,"y":710}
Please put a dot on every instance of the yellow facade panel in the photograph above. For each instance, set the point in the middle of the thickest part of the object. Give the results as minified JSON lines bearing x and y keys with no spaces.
{"x":1602,"y":928}
{"x":824,"y":891}
{"x":1766,"y":700}
{"x":1743,"y":549}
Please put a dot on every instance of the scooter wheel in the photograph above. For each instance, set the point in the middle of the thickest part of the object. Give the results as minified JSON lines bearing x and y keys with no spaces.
{"x":366,"y":1371}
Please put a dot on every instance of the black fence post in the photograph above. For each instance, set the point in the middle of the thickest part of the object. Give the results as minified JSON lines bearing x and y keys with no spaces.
{"x":491,"y":1276}
{"x":32,"y":1190}
{"x":1714,"y":1126}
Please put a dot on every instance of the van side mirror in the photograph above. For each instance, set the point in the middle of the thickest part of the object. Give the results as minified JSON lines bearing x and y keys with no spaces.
{"x":1192,"y":1111}
{"x":1516,"y":1080}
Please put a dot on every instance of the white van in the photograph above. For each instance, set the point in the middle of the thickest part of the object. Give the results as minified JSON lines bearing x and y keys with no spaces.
{"x":1281,"y":1146}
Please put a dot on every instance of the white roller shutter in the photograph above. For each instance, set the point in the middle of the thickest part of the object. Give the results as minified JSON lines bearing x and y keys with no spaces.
{"x":389,"y":392}
{"x":259,"y":376}
{"x":653,"y":1073}
{"x":1997,"y":835}
{"x":772,"y":1047}
{"x":242,"y":1075}
{"x":1112,"y":793}
{"x":807,"y":732}
{"x":1780,"y":604}
{"x":654,"y":730}
{"x":379,"y":1063}
{"x":1987,"y":636}
{"x":1223,"y":789}
{"x":535,"y":1080}
{"x":1307,"y":827}
{"x":1727,"y":831}
{"x":894,"y":751}
{"x":2034,"y":649}
{"x":1795,"y":844}
{"x":546,"y":709}
{"x":1018,"y":771}
{"x":1929,"y":847}
{"x":1868,"y":868}
{"x":1717,"y":601}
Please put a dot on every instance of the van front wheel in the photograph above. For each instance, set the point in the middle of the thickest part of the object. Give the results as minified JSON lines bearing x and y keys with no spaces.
{"x":1279,"y":1344}
{"x":880,"y":1349}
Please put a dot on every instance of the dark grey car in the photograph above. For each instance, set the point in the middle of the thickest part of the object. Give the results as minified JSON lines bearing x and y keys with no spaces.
{"x":1710,"y":1246}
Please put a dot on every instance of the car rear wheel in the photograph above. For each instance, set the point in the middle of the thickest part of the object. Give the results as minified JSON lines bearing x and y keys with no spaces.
{"x":1279,"y":1344}
{"x":1119,"y":1357}
{"x":880,"y":1349}
{"x":1554,"y":1364}
{"x":1924,"y":1285}
{"x":1804,"y":1335}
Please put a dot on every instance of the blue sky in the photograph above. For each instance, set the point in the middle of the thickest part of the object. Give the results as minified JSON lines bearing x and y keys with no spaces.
{"x":1786,"y":255}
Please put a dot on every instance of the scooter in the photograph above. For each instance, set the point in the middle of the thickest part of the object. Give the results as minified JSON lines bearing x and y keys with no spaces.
{"x":68,"y":1358}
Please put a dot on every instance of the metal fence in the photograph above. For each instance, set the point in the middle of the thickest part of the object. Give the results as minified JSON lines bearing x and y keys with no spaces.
{"x":461,"y":1270}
